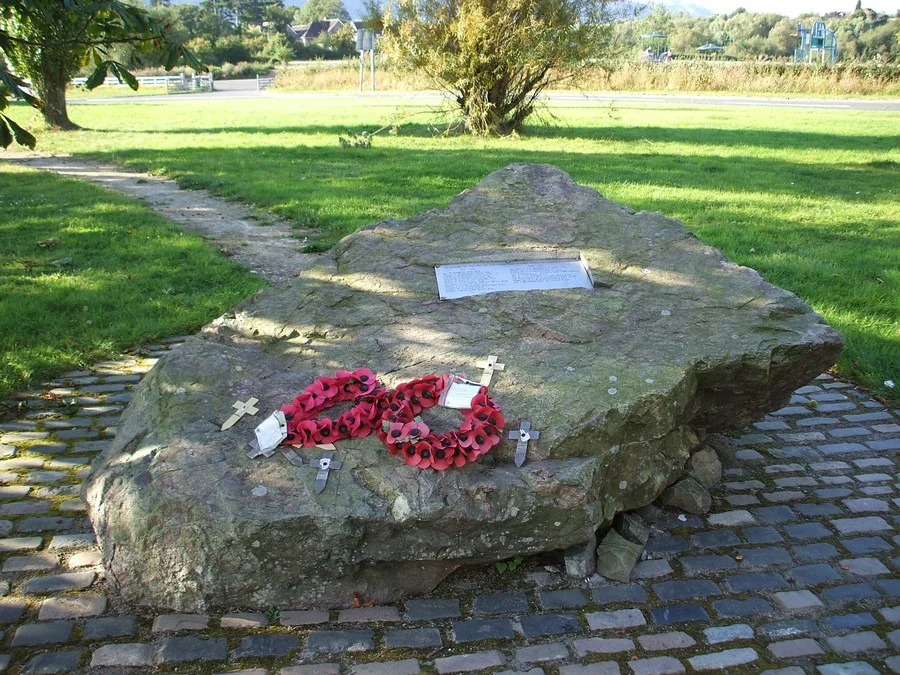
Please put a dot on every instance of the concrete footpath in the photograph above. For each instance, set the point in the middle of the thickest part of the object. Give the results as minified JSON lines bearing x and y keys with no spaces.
{"x":794,"y":571}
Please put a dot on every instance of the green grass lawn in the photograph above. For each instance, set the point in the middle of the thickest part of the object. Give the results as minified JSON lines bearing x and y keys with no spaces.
{"x":123,"y":276}
{"x":807,"y":197}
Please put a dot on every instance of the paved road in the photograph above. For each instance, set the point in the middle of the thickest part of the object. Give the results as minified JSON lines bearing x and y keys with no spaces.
{"x":242,"y":89}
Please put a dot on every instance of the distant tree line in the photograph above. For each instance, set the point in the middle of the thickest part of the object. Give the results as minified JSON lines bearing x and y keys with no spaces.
{"x":863,"y":35}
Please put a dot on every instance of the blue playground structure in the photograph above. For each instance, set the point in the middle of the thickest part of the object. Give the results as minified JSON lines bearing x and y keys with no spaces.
{"x":817,"y":44}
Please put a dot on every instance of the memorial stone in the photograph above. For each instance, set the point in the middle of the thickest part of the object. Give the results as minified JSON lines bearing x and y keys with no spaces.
{"x":622,"y":379}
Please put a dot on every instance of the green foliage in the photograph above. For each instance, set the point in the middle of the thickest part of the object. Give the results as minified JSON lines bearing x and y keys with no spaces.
{"x":277,"y":49}
{"x":315,"y":10}
{"x":86,"y":274}
{"x":495,"y":57}
{"x":511,"y":565}
{"x":864,"y":35}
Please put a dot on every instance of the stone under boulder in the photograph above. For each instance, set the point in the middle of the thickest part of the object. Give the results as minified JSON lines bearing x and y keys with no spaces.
{"x":622,"y":380}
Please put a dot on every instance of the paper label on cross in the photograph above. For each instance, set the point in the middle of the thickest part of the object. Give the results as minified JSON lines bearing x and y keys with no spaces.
{"x":241,"y":408}
{"x":490,"y":365}
{"x":522,"y":435}
{"x":269,"y":435}
{"x":324,"y":465}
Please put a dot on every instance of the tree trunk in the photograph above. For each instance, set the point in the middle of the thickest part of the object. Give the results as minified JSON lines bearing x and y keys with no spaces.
{"x":52,"y":92}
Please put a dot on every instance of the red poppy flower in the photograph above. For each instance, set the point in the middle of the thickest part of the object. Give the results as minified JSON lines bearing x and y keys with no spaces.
{"x":324,"y":432}
{"x":443,"y":458}
{"x":421,"y":456}
{"x":306,"y":431}
{"x":394,"y":432}
{"x":415,"y":431}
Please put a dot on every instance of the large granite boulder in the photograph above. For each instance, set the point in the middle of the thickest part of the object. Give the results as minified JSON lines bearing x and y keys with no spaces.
{"x":622,"y":380}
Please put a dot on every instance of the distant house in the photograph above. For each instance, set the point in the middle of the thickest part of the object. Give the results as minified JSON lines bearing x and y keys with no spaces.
{"x":308,"y":32}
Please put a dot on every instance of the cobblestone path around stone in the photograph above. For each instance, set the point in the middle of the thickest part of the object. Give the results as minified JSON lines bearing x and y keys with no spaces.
{"x":271,"y":250}
{"x":794,"y":570}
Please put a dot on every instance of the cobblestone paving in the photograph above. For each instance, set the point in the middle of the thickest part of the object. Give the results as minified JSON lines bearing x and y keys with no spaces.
{"x":794,"y":571}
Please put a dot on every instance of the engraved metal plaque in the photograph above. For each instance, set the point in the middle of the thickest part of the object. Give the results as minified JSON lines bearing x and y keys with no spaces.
{"x":477,"y":278}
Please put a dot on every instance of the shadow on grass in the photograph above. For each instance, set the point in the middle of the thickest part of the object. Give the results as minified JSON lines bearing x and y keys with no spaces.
{"x":805,"y":140}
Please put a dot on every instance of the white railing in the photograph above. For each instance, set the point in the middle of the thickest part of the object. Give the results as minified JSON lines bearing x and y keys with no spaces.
{"x":263,"y":82}
{"x":160,"y":81}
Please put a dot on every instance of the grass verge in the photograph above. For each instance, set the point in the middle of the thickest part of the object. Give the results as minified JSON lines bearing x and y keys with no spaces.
{"x":86,"y":273}
{"x":806,"y":196}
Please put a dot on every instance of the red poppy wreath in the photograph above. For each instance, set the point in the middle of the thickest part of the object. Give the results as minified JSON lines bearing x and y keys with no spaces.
{"x":394,"y":416}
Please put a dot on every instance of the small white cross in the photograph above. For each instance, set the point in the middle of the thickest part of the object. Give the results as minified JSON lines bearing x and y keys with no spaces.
{"x":241,"y":408}
{"x":522,"y":435}
{"x":490,"y":365}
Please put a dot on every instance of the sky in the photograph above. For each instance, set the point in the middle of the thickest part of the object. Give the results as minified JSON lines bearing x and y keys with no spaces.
{"x":795,"y":7}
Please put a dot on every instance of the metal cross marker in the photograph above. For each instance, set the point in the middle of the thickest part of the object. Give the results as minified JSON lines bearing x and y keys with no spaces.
{"x":324,"y":465}
{"x":522,"y":435}
{"x":241,"y":409}
{"x":326,"y":446}
{"x":292,"y":457}
{"x":490,"y":365}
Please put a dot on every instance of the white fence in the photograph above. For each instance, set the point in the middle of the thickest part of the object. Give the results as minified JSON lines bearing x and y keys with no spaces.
{"x":173,"y":83}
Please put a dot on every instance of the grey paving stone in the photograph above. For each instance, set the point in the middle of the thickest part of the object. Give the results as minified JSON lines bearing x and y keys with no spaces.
{"x":482,"y":629}
{"x":764,"y":556}
{"x":554,"y":651}
{"x":837,"y":595}
{"x":869,"y":417}
{"x":180,"y":649}
{"x":718,"y":634}
{"x":681,"y":590}
{"x":44,"y":524}
{"x":537,"y":625}
{"x":174,"y":622}
{"x":733,"y":608}
{"x":889,"y":586}
{"x":795,"y":452}
{"x":791,"y":670}
{"x":651,"y":569}
{"x":672,"y":614}
{"x":31,"y":563}
{"x":422,"y":610}
{"x":405,"y":667}
{"x":813,"y":575}
{"x":595,"y":645}
{"x":657,"y":665}
{"x":666,"y":544}
{"x":620,"y":618}
{"x":53,"y":662}
{"x":11,"y":610}
{"x":632,"y":593}
{"x":833,"y":493}
{"x":722,"y":660}
{"x":818,"y":510}
{"x":865,"y":567}
{"x":413,"y":638}
{"x":562,"y":599}
{"x":64,"y":541}
{"x":108,"y":627}
{"x":748,"y":455}
{"x":336,"y":641}
{"x":755,"y":581}
{"x":762,"y":535}
{"x":130,"y":655}
{"x":666,"y":641}
{"x":891,"y":614}
{"x":819,"y":551}
{"x":792,"y":649}
{"x":854,"y":643}
{"x":849,"y":621}
{"x":369,"y":614}
{"x":741,"y":500}
{"x":500,"y":603}
{"x":463,"y":663}
{"x":302,"y":617}
{"x":25,"y":507}
{"x":72,"y":607}
{"x":850,"y":668}
{"x":312,"y":669}
{"x":244,"y":620}
{"x":604,"y":668}
{"x":707,"y":563}
{"x":837,"y":480}
{"x":715,"y":539}
{"x":787,"y":628}
{"x":265,"y":645}
{"x":735,"y":518}
{"x":68,"y":581}
{"x":775,"y":514}
{"x":802,"y":531}
{"x":797,"y":600}
{"x":42,"y":633}
{"x":845,"y":448}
